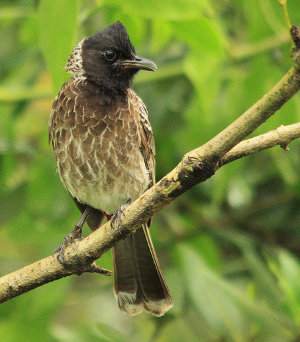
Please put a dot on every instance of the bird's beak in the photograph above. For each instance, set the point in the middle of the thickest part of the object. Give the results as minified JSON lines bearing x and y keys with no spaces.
{"x":139,"y":63}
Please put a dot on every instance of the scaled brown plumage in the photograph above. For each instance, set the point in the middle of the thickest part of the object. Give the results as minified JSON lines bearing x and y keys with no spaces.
{"x":104,"y":149}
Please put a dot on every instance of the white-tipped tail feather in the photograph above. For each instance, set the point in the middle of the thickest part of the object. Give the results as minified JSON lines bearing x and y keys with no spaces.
{"x":139,"y":284}
{"x":128,"y":302}
{"x":160,"y":307}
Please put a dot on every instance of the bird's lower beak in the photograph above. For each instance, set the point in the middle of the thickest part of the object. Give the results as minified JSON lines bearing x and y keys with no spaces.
{"x":139,"y":63}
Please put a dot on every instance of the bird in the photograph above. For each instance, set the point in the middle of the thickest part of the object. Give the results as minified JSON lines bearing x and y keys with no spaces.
{"x":104,"y":148}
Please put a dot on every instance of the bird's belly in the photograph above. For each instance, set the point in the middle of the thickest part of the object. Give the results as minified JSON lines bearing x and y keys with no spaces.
{"x":108,"y":193}
{"x":106,"y":181}
{"x":98,"y":195}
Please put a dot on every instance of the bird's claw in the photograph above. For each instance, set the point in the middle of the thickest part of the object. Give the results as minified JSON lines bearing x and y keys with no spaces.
{"x":76,"y":234}
{"x":118,"y":215}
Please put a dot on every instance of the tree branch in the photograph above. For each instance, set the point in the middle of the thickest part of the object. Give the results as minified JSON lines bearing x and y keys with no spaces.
{"x":281,"y":136}
{"x":196,"y":166}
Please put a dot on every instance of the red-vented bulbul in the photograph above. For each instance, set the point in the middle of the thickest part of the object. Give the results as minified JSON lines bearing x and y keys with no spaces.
{"x":104,"y":148}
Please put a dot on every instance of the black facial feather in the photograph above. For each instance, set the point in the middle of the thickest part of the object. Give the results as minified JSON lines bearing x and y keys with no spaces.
{"x":101,"y":55}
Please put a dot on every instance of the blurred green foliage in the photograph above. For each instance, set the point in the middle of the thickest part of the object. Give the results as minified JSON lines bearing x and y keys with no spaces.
{"x":230,"y":247}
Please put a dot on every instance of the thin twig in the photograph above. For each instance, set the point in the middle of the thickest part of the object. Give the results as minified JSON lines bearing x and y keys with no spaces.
{"x":240,"y":51}
{"x":281,"y":136}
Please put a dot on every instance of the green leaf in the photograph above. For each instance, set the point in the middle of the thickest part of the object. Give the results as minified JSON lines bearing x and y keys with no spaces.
{"x":14,"y":12}
{"x":202,"y":66}
{"x":203,"y":35}
{"x":179,"y":330}
{"x":57,"y":29}
{"x":226,"y":308}
{"x":168,"y":9}
{"x":287,"y":272}
{"x":109,"y":334}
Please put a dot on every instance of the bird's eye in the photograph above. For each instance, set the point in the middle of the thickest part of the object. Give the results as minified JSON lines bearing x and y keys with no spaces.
{"x":110,"y":55}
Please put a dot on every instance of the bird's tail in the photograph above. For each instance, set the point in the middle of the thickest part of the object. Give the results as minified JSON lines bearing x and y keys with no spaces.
{"x":139,"y":284}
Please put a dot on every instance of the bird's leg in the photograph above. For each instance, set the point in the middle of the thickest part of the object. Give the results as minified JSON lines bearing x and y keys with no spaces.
{"x":107,"y":216}
{"x":117,"y":216}
{"x":74,"y":235}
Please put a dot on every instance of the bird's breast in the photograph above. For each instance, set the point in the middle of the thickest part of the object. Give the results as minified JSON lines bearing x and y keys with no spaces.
{"x":98,"y":154}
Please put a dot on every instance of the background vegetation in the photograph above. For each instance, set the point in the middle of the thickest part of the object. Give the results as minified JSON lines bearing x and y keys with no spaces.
{"x":230,"y":248}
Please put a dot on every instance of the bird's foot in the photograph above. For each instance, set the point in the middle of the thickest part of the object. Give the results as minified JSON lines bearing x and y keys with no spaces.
{"x":118,"y":215}
{"x":76,"y":234}
{"x":107,"y":216}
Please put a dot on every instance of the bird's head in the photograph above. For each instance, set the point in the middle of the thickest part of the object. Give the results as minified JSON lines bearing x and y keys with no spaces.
{"x":108,"y":58}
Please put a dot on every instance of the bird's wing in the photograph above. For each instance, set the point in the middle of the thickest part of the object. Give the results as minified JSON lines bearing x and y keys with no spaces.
{"x":139,"y":282}
{"x":147,"y":144}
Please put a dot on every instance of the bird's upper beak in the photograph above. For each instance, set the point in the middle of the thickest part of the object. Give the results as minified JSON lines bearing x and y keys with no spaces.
{"x":139,"y":63}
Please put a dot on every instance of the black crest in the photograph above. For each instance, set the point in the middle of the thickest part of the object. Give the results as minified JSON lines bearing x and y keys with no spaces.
{"x":108,"y":58}
{"x":114,"y":36}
